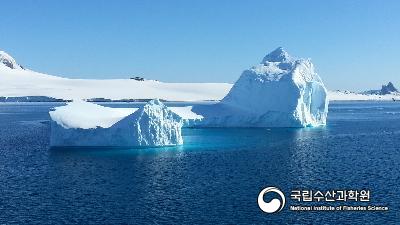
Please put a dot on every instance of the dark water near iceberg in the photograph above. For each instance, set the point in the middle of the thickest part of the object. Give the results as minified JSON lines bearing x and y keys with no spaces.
{"x":215,"y":177}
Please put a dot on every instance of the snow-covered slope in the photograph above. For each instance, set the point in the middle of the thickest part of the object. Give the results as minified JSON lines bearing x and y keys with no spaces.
{"x":281,"y":91}
{"x":8,"y":61}
{"x":15,"y":82}
{"x":87,"y":124}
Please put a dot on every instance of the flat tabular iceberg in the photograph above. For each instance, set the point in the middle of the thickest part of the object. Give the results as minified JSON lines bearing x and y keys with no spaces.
{"x":282,"y":91}
{"x":87,"y":124}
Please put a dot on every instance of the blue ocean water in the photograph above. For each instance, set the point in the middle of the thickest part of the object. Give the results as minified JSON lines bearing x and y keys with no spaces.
{"x":214,"y":178}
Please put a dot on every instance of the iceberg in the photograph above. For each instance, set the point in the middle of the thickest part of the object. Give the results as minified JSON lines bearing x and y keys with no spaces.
{"x":82,"y":123}
{"x":281,"y":91}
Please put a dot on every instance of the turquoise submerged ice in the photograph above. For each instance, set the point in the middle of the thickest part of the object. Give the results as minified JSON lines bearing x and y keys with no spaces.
{"x":281,"y":91}
{"x":87,"y":124}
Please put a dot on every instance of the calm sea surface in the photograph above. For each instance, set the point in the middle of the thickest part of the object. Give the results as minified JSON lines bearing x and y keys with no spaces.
{"x":215,"y":177}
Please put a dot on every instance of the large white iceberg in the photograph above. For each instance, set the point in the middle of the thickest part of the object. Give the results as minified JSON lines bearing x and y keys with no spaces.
{"x":86,"y":124}
{"x":281,"y":91}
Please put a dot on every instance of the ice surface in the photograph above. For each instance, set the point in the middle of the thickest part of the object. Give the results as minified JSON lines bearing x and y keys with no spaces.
{"x":282,"y":91}
{"x":88,"y":124}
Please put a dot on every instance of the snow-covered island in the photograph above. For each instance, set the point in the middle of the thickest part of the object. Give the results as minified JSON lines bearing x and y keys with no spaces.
{"x":387,"y":93}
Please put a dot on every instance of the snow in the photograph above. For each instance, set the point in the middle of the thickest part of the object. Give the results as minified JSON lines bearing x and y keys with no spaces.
{"x":186,"y":112}
{"x":351,"y":96}
{"x":18,"y":83}
{"x":8,"y":61}
{"x":80,"y":114}
{"x":87,"y":124}
{"x":282,"y":91}
{"x":279,"y":55}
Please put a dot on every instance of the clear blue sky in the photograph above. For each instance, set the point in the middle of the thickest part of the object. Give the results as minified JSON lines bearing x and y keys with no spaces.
{"x":353,"y":44}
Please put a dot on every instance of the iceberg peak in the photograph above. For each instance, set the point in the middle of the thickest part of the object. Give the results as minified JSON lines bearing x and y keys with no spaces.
{"x":9,"y":61}
{"x":154,"y":124}
{"x":155,"y":102}
{"x":278,"y":55}
{"x":285,"y":93}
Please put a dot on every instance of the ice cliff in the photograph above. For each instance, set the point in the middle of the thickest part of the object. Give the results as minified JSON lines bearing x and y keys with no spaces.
{"x":281,"y":91}
{"x":87,"y":124}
